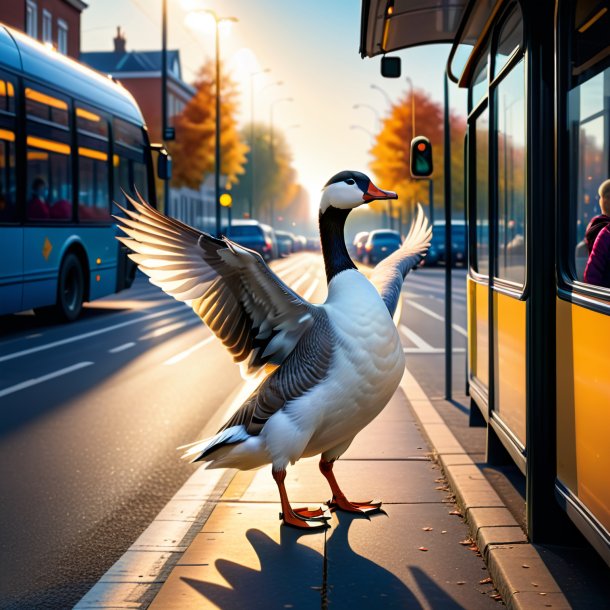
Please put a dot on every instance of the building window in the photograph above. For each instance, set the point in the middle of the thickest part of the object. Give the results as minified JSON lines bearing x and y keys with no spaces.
{"x":47,"y":26}
{"x":62,"y":36}
{"x":31,"y":19}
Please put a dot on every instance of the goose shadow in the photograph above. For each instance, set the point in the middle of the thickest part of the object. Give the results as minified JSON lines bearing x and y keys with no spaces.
{"x":294,"y":575}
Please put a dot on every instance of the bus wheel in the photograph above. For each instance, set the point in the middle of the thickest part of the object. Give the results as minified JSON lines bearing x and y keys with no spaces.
{"x":70,"y":289}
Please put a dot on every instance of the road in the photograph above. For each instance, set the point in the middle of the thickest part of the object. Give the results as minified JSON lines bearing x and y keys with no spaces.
{"x":93,"y":412}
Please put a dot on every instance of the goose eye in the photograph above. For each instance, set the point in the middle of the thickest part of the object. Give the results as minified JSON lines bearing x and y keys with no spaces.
{"x":350,"y":181}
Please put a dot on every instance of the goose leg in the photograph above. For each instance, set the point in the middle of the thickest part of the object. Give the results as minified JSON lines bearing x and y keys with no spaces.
{"x":302,"y":518}
{"x":339,"y":501}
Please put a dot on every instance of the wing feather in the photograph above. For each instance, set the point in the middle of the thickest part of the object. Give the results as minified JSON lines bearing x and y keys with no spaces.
{"x":255,"y":315}
{"x":389,"y":274}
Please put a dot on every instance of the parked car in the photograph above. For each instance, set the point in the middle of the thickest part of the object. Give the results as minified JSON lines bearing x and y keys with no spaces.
{"x":285,"y":242}
{"x":380,"y":244}
{"x":436,"y":252}
{"x":254,"y":235}
{"x":300,"y":243}
{"x":313,"y":244}
{"x":358,"y":245}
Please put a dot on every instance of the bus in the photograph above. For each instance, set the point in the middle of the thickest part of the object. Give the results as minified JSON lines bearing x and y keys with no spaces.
{"x":70,"y":140}
{"x":537,"y":150}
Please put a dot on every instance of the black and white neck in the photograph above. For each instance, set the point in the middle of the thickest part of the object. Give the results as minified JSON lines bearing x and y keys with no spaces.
{"x":332,"y":238}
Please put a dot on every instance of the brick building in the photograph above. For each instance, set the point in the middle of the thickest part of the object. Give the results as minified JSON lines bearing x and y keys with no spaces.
{"x":56,"y":22}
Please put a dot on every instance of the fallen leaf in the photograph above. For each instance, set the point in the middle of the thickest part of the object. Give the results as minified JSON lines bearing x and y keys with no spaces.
{"x":460,"y":582}
{"x":423,"y":548}
{"x":524,"y":565}
{"x":427,"y":529}
{"x":497,"y":597}
{"x":456,"y":512}
{"x":467,"y":542}
{"x":485,"y":581}
{"x":443,"y":531}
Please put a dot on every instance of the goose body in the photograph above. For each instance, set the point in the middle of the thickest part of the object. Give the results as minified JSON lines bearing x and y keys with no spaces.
{"x":336,"y":364}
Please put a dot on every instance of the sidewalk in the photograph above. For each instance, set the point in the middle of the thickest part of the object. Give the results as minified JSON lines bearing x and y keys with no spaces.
{"x":417,"y":554}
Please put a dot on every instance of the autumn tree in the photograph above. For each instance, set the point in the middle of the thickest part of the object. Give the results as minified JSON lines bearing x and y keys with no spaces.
{"x":274,"y":176}
{"x":193,"y":151}
{"x":391,"y":155}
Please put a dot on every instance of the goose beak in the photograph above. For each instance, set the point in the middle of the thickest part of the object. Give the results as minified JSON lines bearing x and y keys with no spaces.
{"x":373,"y":193}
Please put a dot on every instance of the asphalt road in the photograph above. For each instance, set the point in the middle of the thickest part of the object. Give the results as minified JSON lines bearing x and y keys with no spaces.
{"x":92,"y":413}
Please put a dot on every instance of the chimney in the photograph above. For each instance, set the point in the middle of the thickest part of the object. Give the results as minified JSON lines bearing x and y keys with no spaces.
{"x":119,"y":41}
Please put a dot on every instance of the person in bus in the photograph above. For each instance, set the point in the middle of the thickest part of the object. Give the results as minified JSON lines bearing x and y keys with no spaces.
{"x":37,"y":207}
{"x":61,"y":209}
{"x":597,"y":238}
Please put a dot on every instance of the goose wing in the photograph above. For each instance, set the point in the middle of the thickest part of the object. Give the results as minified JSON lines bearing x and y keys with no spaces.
{"x":258,"y":318}
{"x":390,"y":273}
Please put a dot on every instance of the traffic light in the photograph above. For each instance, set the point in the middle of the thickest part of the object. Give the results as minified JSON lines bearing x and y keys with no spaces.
{"x":421,"y":157}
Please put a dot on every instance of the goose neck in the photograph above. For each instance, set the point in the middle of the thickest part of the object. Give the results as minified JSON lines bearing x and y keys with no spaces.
{"x":334,"y":251}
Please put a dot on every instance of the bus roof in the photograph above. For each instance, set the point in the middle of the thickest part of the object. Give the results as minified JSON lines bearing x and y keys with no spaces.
{"x":34,"y":60}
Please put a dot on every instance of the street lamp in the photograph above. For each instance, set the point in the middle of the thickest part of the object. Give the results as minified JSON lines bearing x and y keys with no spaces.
{"x":217,"y":21}
{"x":271,"y":151}
{"x":383,"y":92}
{"x":372,"y":109}
{"x":367,"y":131}
{"x":252,"y":75}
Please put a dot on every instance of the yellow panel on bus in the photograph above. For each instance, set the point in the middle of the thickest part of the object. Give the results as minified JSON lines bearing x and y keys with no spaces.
{"x":583,"y":406}
{"x":509,"y":362}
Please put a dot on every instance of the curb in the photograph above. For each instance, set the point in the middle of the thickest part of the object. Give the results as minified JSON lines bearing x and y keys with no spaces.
{"x":517,"y":570}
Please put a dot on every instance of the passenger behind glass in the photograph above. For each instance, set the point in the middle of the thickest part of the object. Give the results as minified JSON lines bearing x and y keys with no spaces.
{"x":61,"y":209}
{"x":37,"y":207}
{"x":597,"y":238}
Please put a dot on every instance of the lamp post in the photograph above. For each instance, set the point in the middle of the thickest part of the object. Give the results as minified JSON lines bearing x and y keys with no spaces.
{"x":271,"y":151}
{"x":367,"y":131}
{"x":372,"y":109}
{"x":217,"y":21}
{"x":384,"y":93}
{"x":252,"y":75}
{"x":164,"y":95}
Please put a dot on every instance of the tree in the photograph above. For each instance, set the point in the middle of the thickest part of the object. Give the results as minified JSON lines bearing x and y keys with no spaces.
{"x":194,"y":147}
{"x":391,"y":155}
{"x":274,"y":177}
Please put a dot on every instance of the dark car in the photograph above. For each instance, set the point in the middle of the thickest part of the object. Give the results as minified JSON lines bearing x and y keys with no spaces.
{"x":380,"y":244}
{"x":285,"y":243}
{"x":254,"y":235}
{"x":436,"y":252}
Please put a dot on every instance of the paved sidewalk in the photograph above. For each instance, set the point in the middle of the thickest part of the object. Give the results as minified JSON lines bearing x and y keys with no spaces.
{"x":416,"y":555}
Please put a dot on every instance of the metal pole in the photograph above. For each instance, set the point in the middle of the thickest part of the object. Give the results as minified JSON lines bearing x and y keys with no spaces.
{"x":431,"y":198}
{"x":272,"y":198}
{"x":217,"y":163}
{"x":448,"y":247}
{"x":251,"y":202}
{"x":164,"y":95}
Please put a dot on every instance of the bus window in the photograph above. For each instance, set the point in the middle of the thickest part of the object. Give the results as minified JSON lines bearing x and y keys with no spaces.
{"x":8,"y":211}
{"x":41,"y":105}
{"x":93,"y":166}
{"x":49,"y":183}
{"x":140,"y":177}
{"x":482,"y":192}
{"x":130,"y":171}
{"x":510,"y":96}
{"x":589,"y":120}
{"x":7,"y":95}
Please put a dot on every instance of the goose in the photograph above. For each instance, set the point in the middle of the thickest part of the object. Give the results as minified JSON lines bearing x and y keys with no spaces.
{"x":327,"y":370}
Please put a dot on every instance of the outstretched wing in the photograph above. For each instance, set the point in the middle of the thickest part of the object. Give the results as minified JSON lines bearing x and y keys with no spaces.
{"x":390,"y":273}
{"x":256,"y":316}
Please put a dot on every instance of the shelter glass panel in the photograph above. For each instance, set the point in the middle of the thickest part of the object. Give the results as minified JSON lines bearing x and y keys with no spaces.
{"x":482,"y":192}
{"x":509,"y":39}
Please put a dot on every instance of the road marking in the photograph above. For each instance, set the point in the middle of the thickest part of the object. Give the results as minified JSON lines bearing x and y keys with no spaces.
{"x":163,"y":330}
{"x":287,"y":266}
{"x":311,"y":289}
{"x":433,"y":350}
{"x":121,"y":348}
{"x":35,"y":381}
{"x":432,"y":314}
{"x":187,"y":352}
{"x":296,"y":285}
{"x":93,"y":333}
{"x":414,"y":338}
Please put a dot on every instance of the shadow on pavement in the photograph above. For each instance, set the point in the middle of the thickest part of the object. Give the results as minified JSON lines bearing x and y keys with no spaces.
{"x":288,"y":577}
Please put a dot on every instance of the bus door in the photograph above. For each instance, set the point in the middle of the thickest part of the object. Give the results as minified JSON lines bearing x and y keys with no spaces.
{"x":497,"y":286}
{"x":11,"y":230}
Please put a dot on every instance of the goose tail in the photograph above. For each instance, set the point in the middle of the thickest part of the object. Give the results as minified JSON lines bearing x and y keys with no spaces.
{"x":205,"y":449}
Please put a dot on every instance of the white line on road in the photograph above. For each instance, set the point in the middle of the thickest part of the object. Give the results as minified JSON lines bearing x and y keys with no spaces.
{"x":414,"y":338}
{"x":30,"y":382}
{"x":433,"y":314}
{"x":296,"y":285}
{"x":182,"y":355}
{"x":93,"y":333}
{"x":311,"y":289}
{"x":163,"y":330}
{"x":121,"y":348}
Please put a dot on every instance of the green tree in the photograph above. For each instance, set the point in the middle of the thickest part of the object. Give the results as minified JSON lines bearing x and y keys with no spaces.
{"x":193,"y":151}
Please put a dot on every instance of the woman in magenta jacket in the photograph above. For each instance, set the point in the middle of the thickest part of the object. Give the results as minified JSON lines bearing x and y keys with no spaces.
{"x":597,"y":271}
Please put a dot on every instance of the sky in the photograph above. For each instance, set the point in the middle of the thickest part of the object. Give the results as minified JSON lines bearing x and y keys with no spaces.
{"x":312,"y":47}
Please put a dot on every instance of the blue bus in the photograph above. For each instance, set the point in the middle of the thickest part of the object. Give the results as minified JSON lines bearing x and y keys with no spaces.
{"x":70,"y":139}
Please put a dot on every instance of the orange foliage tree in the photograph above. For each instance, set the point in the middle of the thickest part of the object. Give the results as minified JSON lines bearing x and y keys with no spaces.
{"x":391,"y":155}
{"x":193,"y":151}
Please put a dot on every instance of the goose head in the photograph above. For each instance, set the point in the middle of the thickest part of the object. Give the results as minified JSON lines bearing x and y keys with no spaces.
{"x":349,"y":189}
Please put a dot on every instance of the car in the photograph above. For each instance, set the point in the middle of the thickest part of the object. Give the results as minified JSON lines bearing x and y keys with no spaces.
{"x":301,"y":243}
{"x":255,"y":236}
{"x":313,"y":244}
{"x":285,"y":243}
{"x":358,"y":244}
{"x":380,"y":244}
{"x":436,"y":252}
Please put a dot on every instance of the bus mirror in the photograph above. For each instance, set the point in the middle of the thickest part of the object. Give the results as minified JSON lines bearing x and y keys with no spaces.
{"x":421,"y":157}
{"x":164,"y":165}
{"x":390,"y":67}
